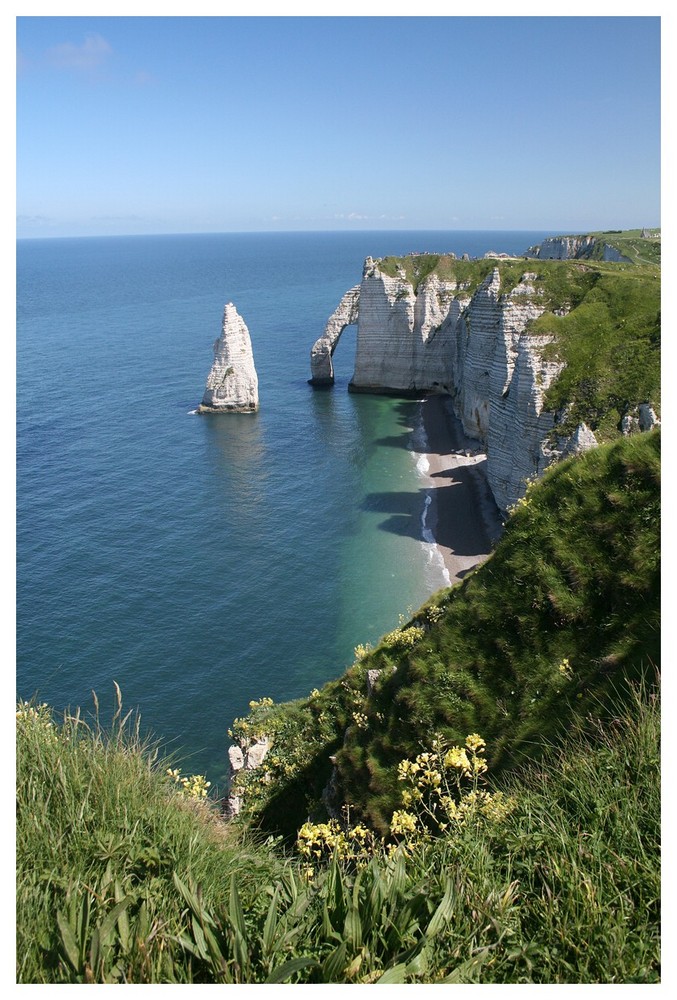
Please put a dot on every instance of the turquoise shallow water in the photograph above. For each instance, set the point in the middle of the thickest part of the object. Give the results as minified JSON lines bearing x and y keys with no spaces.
{"x":200,"y":562}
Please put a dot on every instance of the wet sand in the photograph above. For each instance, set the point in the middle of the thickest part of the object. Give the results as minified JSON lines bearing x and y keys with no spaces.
{"x":463,"y":517}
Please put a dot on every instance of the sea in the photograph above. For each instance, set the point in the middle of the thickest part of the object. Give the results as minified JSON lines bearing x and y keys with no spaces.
{"x":202,"y":561}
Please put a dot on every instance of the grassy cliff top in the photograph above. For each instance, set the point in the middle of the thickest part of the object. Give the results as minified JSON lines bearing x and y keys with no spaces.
{"x":630,"y":243}
{"x":447,"y":267}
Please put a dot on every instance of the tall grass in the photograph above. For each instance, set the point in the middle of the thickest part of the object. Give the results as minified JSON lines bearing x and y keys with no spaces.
{"x":119,"y":883}
{"x":101,"y":831}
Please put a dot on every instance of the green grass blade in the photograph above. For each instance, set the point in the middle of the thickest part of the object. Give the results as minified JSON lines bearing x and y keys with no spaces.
{"x":334,"y":964}
{"x":396,"y":974}
{"x":270,"y":925}
{"x":108,"y":923}
{"x":282,"y":973}
{"x":235,"y":910}
{"x":443,"y":913}
{"x":68,"y":942}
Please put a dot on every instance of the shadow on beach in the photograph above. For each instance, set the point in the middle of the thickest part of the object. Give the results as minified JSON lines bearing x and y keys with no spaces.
{"x":444,"y":432}
{"x":464,"y":520}
{"x":458,"y":515}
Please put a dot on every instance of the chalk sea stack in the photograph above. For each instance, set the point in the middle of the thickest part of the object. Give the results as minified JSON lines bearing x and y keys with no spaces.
{"x":232,"y":384}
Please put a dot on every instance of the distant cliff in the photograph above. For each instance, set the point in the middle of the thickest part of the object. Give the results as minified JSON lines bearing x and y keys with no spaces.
{"x":490,"y":336}
{"x":576,"y":248}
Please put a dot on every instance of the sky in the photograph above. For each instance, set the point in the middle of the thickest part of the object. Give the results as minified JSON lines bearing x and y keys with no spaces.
{"x":155,"y":124}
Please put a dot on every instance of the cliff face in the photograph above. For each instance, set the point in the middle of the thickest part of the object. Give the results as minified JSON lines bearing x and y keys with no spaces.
{"x":400,"y":342}
{"x":574,"y":248}
{"x":500,"y":382}
{"x":232,"y":384}
{"x":477,"y":349}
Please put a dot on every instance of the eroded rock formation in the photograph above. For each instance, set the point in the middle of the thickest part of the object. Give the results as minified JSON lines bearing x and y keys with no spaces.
{"x":232,"y":384}
{"x":476,"y":348}
{"x":345,"y":314}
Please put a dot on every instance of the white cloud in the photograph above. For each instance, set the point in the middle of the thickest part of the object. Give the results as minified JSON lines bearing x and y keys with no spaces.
{"x":92,"y":53}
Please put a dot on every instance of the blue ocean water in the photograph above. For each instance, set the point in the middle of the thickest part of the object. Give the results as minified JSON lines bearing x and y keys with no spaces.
{"x":202,"y":561}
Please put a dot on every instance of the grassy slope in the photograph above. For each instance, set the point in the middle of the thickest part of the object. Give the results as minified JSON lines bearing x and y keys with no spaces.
{"x":575,"y":577}
{"x":118,"y":882}
{"x":629,"y":242}
{"x":611,"y":346}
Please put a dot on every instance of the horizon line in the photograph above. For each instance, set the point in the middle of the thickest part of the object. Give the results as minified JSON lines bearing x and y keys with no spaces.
{"x":301,"y":232}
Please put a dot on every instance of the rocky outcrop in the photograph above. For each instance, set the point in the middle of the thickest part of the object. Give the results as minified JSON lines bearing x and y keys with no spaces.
{"x":243,"y":757}
{"x":232,"y":384}
{"x":476,"y":348}
{"x":647,"y":417}
{"x":574,"y":248}
{"x":641,"y":418}
{"x":346,"y":314}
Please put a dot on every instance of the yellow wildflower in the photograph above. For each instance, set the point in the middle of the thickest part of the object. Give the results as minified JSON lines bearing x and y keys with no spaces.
{"x":475,"y":743}
{"x":457,"y":758}
{"x":403,"y":822}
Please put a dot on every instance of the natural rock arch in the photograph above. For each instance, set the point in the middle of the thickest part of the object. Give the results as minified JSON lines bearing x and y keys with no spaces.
{"x":346,"y":314}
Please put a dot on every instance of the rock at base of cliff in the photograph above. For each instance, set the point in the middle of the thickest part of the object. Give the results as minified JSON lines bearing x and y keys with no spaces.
{"x":251,"y":408}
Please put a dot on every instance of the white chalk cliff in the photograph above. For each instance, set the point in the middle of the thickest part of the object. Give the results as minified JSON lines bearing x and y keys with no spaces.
{"x":232,"y":384}
{"x":476,"y":348}
{"x":573,"y":248}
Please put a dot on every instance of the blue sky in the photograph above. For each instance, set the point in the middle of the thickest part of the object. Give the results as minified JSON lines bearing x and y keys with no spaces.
{"x":211,"y":124}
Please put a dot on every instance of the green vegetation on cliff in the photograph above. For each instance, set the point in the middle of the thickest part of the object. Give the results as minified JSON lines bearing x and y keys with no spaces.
{"x":610,"y":344}
{"x":559,"y":620}
{"x":119,"y":881}
{"x":630,"y":243}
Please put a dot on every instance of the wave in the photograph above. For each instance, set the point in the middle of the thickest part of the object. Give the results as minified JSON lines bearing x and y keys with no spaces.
{"x":435,"y":565}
